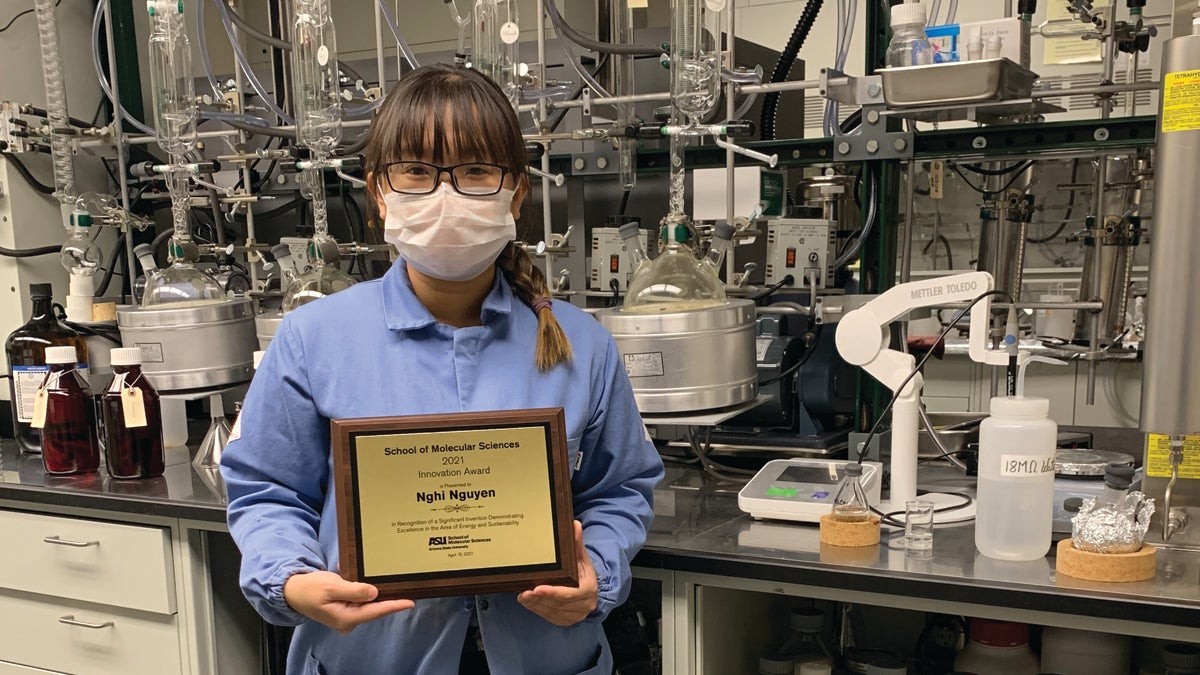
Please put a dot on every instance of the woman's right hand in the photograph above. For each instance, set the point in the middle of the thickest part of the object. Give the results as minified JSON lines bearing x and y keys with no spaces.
{"x":342,"y":605}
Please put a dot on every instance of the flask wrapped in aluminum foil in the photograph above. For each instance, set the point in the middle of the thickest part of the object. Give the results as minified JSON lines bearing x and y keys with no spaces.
{"x":1115,"y":525}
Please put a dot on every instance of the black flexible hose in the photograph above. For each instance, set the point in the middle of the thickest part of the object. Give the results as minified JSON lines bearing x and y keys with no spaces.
{"x":117,"y":253}
{"x":255,"y":129}
{"x":29,"y":178}
{"x":783,"y":66}
{"x":256,"y":33}
{"x":586,"y":42}
{"x":29,"y":252}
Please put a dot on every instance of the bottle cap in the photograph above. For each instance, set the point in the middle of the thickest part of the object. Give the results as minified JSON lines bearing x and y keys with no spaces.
{"x":41,"y":291}
{"x":1182,"y":656}
{"x":807,"y":620}
{"x":853,"y":469}
{"x":1118,"y":476}
{"x":817,"y":667}
{"x":125,"y":356}
{"x":908,"y":14}
{"x":999,"y":633}
{"x":1020,"y":406}
{"x":61,"y":355}
{"x":723,"y":230}
{"x":775,"y":665}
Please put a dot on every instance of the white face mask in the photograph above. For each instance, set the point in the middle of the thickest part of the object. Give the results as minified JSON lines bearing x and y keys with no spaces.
{"x":447,"y":235}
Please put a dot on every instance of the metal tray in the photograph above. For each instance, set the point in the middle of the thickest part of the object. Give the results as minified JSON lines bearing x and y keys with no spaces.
{"x":943,"y":84}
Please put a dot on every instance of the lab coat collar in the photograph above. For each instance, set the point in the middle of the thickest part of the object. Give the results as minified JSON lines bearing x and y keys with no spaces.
{"x":403,"y":311}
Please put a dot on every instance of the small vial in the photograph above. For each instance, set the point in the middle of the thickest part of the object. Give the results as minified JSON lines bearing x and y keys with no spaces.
{"x":133,"y":445}
{"x":850,"y":503}
{"x":69,"y":443}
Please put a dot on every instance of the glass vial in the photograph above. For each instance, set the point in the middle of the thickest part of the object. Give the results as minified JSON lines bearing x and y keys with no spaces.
{"x":26,"y":350}
{"x":133,"y":445}
{"x":68,"y":421}
{"x":850,"y":503}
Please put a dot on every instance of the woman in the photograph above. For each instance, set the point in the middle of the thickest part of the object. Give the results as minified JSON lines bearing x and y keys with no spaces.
{"x":461,"y":322}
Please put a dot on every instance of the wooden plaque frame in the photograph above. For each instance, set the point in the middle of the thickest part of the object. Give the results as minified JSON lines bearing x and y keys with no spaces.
{"x":563,"y":572}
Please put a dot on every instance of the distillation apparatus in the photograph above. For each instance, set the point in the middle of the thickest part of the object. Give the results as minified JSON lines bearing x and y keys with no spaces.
{"x":319,"y":129}
{"x":175,"y":120}
{"x":79,"y":255}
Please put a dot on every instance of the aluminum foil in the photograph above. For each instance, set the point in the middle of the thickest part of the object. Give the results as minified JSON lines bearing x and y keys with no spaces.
{"x":1116,"y":527}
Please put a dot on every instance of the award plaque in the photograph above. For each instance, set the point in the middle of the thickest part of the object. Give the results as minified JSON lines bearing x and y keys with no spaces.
{"x":456,"y":504}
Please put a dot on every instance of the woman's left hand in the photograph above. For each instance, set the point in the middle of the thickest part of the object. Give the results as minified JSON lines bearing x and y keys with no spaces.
{"x":566,"y":605}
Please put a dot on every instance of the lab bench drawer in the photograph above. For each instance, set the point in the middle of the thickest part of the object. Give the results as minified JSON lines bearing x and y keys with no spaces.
{"x":89,"y":561}
{"x":84,"y":639}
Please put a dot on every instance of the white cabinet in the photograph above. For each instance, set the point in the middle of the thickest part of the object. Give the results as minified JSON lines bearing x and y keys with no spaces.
{"x":88,"y":597}
{"x":84,"y":639}
{"x":120,"y":565}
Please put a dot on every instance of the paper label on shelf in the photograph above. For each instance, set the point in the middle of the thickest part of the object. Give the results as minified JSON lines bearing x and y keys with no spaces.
{"x":510,"y":32}
{"x":1158,"y":457}
{"x":1017,"y":466}
{"x":1181,"y":101}
{"x":26,"y":380}
{"x":649,"y":364}
{"x":39,"y":409}
{"x":133,"y":408}
{"x":937,"y":179}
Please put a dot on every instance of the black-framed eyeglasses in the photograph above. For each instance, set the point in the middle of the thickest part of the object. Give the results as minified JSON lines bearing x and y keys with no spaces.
{"x":473,"y":179}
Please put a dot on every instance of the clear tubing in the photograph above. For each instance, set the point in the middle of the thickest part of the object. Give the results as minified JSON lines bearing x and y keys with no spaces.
{"x":952,"y":13}
{"x":101,"y":6}
{"x":244,"y":65}
{"x":56,"y":101}
{"x":695,"y":59}
{"x":172,"y":83}
{"x":405,"y":50}
{"x":461,"y":23}
{"x":574,"y":61}
{"x":495,"y":41}
{"x":933,"y":13}
{"x":558,"y":90}
{"x":317,"y":94}
{"x":204,"y":58}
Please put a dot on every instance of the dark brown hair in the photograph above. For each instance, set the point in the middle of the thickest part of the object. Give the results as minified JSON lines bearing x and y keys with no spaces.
{"x":441,"y":110}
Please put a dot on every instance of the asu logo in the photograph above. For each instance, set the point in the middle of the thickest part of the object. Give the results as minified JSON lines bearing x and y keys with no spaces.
{"x":437,"y":541}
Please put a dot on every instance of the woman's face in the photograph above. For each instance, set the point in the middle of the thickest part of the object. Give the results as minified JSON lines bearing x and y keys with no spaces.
{"x":519,"y":184}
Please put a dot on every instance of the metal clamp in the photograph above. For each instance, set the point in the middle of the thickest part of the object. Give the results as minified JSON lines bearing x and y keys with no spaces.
{"x":70,"y":620}
{"x":55,"y":539}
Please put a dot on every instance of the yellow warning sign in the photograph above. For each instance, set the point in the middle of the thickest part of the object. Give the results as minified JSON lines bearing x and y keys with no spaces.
{"x":1181,"y":101}
{"x":1158,"y":457}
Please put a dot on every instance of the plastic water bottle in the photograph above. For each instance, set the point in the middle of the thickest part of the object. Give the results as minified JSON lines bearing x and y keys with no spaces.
{"x":1016,"y":479}
{"x":909,"y":46}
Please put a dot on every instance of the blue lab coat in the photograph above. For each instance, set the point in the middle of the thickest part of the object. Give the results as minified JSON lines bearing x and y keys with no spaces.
{"x":375,"y":350}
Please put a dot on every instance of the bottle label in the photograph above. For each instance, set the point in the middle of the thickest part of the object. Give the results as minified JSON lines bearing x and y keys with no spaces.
{"x":1026,"y":465}
{"x":39,"y":409}
{"x":133,"y":408}
{"x":26,"y":380}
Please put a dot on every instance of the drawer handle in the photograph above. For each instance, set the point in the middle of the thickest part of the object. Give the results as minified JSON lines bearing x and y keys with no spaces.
{"x":71,"y":621}
{"x":67,"y":542}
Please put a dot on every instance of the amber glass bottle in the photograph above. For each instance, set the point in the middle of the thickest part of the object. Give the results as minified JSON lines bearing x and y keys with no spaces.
{"x":133,"y":446}
{"x":26,"y":349}
{"x":69,"y":443}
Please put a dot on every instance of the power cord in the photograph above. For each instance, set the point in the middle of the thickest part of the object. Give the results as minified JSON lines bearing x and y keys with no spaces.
{"x":1016,"y":176}
{"x":862,"y":448}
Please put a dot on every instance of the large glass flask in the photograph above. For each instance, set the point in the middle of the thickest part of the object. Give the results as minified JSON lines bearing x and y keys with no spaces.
{"x":676,"y":280}
{"x":181,"y":285}
{"x":314,"y":284}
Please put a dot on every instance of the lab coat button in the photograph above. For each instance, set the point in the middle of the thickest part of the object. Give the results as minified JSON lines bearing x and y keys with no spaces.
{"x":483,"y":604}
